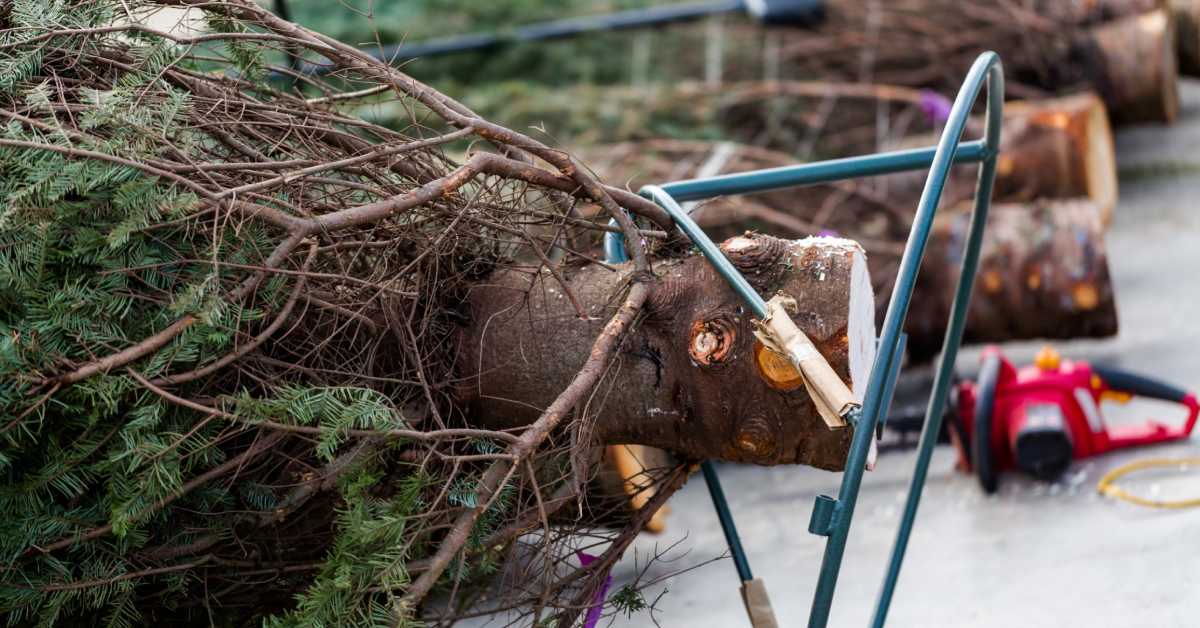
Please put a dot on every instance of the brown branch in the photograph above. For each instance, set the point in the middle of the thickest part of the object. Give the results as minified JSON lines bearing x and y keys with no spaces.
{"x":492,"y":479}
{"x":84,"y":584}
{"x":229,"y":358}
{"x":130,"y":354}
{"x":600,"y":568}
{"x":159,"y":340}
{"x":376,"y":153}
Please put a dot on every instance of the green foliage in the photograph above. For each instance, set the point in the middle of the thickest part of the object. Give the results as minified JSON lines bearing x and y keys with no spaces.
{"x":367,"y":559}
{"x":95,"y":256}
{"x":193,"y":391}
{"x":336,"y":410}
{"x":589,"y":114}
{"x":628,"y":600}
{"x":248,"y":58}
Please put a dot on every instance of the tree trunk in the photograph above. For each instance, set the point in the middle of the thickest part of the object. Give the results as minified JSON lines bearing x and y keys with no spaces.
{"x":1186,"y":14}
{"x":690,"y":377}
{"x":1043,"y":273}
{"x":1187,"y":35}
{"x":1057,"y":148}
{"x":1132,"y":63}
{"x":1124,"y":49}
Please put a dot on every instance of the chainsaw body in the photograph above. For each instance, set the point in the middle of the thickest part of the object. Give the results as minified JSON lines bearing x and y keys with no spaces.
{"x":1039,"y":418}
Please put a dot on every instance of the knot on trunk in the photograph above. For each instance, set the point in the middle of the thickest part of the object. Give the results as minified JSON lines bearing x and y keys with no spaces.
{"x":757,"y":257}
{"x":711,"y":341}
{"x":755,"y":438}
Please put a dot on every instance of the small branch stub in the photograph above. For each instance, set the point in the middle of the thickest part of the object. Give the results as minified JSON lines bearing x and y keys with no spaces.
{"x":711,"y":341}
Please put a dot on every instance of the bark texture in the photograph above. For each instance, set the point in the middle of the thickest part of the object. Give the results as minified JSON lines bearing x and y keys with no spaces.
{"x":686,"y":378}
{"x":1058,"y":148}
{"x":1132,"y":63}
{"x":1187,"y":35}
{"x":1043,"y":273}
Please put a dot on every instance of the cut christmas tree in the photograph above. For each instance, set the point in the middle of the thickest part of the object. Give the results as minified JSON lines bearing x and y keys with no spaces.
{"x":251,"y":346}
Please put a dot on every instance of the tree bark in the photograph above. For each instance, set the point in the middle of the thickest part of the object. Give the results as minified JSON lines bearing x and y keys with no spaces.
{"x":1132,"y":62}
{"x":1124,"y":49}
{"x":688,"y":377}
{"x":1186,"y":14}
{"x":1187,"y":35}
{"x":1058,"y":148}
{"x":1043,"y":273}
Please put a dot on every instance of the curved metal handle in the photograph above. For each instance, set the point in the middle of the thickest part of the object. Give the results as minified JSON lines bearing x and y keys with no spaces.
{"x":707,"y":247}
{"x":986,"y":70}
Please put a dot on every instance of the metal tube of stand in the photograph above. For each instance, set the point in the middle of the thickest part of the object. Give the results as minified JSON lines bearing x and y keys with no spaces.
{"x":889,"y":387}
{"x":818,"y":172}
{"x":836,"y":515}
{"x":615,"y":253}
{"x":986,"y":68}
{"x":726,"y":518}
{"x":953,"y":339}
{"x":723,"y":266}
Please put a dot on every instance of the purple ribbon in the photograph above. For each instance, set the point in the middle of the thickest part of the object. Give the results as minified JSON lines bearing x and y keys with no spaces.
{"x":597,"y":608}
{"x":935,"y":106}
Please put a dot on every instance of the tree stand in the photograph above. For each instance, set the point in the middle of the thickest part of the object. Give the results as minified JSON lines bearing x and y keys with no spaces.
{"x":831,"y":517}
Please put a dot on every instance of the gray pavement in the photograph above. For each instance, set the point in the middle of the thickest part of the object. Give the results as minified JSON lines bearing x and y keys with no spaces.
{"x":1033,"y":555}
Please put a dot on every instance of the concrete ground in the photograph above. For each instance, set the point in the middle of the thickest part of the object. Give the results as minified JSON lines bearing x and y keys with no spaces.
{"x":1035,"y":554}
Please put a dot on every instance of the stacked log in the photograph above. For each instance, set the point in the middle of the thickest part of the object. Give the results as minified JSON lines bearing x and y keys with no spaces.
{"x":1187,"y":35}
{"x":1043,"y":273}
{"x":1056,"y":189}
{"x":1123,"y":49}
{"x":1132,"y":62}
{"x":1057,"y":148}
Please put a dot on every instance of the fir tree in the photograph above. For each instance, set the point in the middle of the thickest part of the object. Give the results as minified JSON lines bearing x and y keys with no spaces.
{"x":214,"y":407}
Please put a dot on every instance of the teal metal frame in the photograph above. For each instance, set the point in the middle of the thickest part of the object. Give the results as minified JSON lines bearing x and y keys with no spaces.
{"x":832,"y":517}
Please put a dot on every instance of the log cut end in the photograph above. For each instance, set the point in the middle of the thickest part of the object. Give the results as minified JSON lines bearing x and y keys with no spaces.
{"x":1137,"y":64}
{"x":1100,"y":160}
{"x":861,"y":326}
{"x":1058,"y":148}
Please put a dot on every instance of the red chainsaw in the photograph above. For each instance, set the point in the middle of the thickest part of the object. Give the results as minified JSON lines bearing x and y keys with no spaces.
{"x":1038,"y":418}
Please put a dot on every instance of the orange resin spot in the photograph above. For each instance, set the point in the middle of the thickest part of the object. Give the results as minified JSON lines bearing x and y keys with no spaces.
{"x":775,"y":369}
